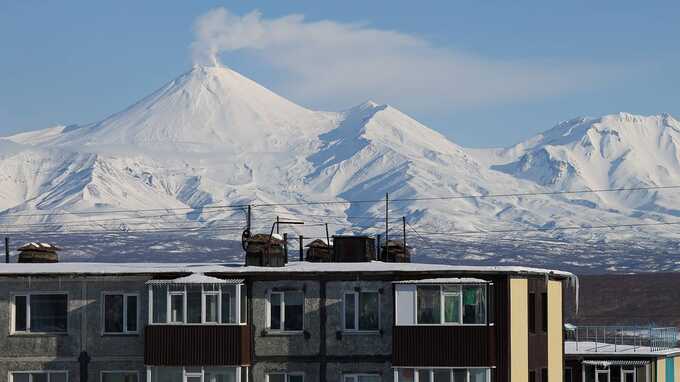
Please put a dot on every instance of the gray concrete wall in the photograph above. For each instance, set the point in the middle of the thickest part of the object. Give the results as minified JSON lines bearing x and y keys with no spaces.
{"x":358,"y":343}
{"x":272,"y":344}
{"x":26,"y":352}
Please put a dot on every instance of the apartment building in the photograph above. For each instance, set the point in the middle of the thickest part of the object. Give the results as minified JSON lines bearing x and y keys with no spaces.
{"x":300,"y":322}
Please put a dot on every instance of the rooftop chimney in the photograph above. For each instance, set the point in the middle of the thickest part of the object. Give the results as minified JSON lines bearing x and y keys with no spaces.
{"x":38,"y":253}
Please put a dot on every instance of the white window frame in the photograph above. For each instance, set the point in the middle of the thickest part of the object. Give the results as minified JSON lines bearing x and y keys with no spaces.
{"x":12,"y":321}
{"x":416,"y":370}
{"x":628,"y":371}
{"x":239,"y":370}
{"x":355,"y":376}
{"x":125,"y":311}
{"x":240,"y":288}
{"x":356,"y":312}
{"x":30,"y":378}
{"x":460,"y":309}
{"x":285,"y":375}
{"x":602,"y":371}
{"x":101,"y":374}
{"x":283,"y":312}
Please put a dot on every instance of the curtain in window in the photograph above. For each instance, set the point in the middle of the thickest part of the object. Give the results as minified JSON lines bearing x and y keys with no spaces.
{"x":368,"y":311}
{"x":474,"y":305}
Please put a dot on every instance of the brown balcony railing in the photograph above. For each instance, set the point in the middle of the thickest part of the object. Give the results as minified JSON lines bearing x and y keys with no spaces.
{"x":196,"y":345}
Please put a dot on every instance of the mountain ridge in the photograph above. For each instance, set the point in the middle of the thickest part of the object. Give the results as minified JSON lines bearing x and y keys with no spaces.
{"x":213,"y":137}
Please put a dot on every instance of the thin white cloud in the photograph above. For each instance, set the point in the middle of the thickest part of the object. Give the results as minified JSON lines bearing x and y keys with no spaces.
{"x":328,"y":62}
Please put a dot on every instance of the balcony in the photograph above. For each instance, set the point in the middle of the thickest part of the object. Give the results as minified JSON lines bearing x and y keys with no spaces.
{"x":197,"y":345}
{"x":444,"y":346}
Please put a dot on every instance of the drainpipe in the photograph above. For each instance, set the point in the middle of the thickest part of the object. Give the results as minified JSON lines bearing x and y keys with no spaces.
{"x":84,"y":360}
{"x":7,"y":249}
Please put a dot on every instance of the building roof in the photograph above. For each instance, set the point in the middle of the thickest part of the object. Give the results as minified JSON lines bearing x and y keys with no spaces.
{"x":33,"y":246}
{"x":67,"y":268}
{"x":601,"y":349}
{"x":197,"y":278}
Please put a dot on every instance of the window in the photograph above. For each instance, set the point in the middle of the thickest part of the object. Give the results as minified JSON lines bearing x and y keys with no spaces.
{"x":361,"y":311}
{"x":197,"y":374}
{"x":361,"y":378}
{"x":532,"y":376}
{"x":544,"y":311}
{"x":119,"y":376}
{"x":197,"y":304}
{"x":285,"y":377}
{"x":531,"y":312}
{"x":567,"y":374}
{"x":39,"y":376}
{"x":286,"y":311}
{"x":120,"y":313}
{"x":40,"y":313}
{"x":544,"y":375}
{"x":444,"y":375}
{"x":451,"y":304}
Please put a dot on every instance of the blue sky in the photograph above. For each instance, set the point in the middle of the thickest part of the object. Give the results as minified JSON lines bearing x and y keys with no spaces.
{"x":483,"y":73}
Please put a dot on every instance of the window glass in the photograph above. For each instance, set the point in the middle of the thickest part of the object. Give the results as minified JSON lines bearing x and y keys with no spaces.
{"x":368,"y":311}
{"x":452,"y":307}
{"x":60,"y":377}
{"x":160,"y":304}
{"x":474,"y":304}
{"x":428,"y":304}
{"x":118,"y":377}
{"x":20,"y":377}
{"x":167,"y":374}
{"x":229,"y":304}
{"x":275,"y":311}
{"x":567,"y":374}
{"x":350,"y":311}
{"x":277,"y":377}
{"x":368,"y":378}
{"x":20,"y":314}
{"x":113,"y":313}
{"x":131,"y":313}
{"x":296,"y":378}
{"x":459,"y":375}
{"x":424,"y":375}
{"x":442,"y":375}
{"x":406,"y":375}
{"x":48,"y":313}
{"x":244,"y":304}
{"x":211,"y":308}
{"x":39,"y":377}
{"x":194,"y":294}
{"x":220,"y":375}
{"x":177,"y":308}
{"x":478,"y":375}
{"x":544,"y":312}
{"x":294,"y":310}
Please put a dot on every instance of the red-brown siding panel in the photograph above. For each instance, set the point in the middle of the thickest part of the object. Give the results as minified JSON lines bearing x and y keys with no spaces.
{"x":453,"y":346}
{"x":196,"y":345}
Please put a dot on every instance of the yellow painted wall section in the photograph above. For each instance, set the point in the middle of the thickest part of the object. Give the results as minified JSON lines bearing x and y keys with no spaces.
{"x":661,"y":370}
{"x":519,"y":330}
{"x":555,"y":325}
{"x":676,"y":369}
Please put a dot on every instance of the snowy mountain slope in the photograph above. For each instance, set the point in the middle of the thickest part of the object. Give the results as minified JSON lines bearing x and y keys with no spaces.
{"x":213,"y":137}
{"x":615,"y":151}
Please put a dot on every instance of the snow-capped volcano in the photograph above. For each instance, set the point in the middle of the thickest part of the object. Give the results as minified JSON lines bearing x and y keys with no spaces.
{"x":212,"y":138}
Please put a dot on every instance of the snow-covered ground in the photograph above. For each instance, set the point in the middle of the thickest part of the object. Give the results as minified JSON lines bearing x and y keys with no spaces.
{"x":212,"y":137}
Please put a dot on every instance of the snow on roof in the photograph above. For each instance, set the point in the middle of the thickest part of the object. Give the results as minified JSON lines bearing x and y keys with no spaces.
{"x":197,"y":278}
{"x":449,"y":280}
{"x":603,"y":349}
{"x":38,"y":246}
{"x":239,"y":268}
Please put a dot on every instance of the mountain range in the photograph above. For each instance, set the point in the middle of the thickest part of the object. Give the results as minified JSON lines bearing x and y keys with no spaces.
{"x":178,"y":162}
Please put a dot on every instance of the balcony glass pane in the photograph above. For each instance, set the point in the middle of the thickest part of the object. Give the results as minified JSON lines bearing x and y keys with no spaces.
{"x":177,"y":308}
{"x":442,"y":375}
{"x":220,"y":375}
{"x":452,"y":308}
{"x":429,"y":305}
{"x":474,"y":305}
{"x":459,"y":375}
{"x":406,"y":375}
{"x":194,"y":294}
{"x":228,"y":310}
{"x":166,"y":374}
{"x":160,"y":304}
{"x":478,"y":375}
{"x":211,"y":308}
{"x":424,"y":375}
